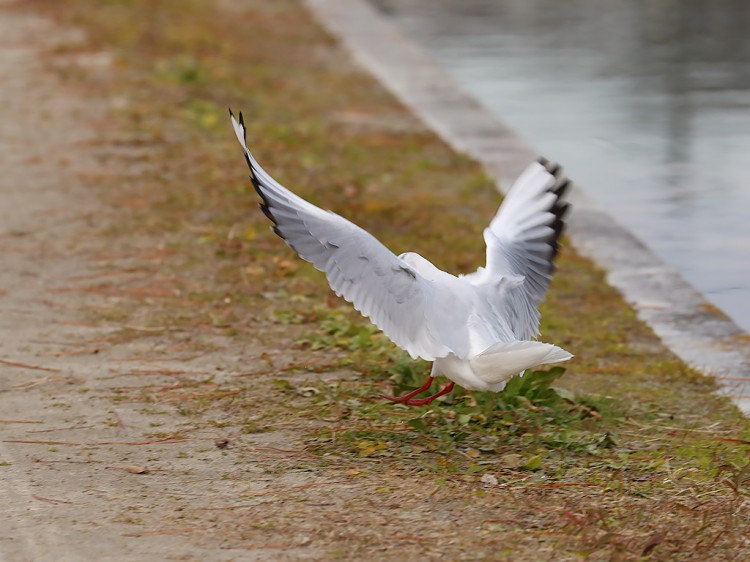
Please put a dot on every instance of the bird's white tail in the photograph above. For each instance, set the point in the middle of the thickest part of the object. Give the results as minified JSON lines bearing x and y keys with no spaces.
{"x":501,"y":361}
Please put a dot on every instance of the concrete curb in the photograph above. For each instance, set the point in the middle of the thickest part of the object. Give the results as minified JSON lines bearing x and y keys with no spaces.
{"x":687,"y":324}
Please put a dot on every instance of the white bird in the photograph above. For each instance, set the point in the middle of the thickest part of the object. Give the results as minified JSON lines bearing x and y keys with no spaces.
{"x":477,"y":329}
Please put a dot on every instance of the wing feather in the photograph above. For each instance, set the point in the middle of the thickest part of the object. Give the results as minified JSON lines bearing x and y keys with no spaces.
{"x":522,"y":242}
{"x":359,"y":268}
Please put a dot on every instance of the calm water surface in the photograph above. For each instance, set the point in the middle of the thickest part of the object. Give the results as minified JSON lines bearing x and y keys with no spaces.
{"x":647,"y":104}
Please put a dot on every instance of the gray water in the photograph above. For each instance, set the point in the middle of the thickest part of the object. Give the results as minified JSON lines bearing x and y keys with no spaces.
{"x":645,"y":102}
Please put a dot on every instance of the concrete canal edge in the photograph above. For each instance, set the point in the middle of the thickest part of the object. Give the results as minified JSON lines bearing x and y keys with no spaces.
{"x":686,"y":322}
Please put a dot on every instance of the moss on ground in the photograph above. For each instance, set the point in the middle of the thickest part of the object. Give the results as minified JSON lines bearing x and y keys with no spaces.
{"x":634,"y":457}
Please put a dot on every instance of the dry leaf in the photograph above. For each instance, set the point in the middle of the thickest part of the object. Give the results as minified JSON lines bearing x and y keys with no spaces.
{"x":512,"y":460}
{"x":653,"y":541}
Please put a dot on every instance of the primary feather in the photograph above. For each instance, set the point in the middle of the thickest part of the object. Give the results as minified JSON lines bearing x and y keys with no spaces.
{"x":522,"y":242}
{"x":475,"y":328}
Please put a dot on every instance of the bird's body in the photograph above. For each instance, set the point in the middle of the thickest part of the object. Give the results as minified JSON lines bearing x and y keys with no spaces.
{"x":486,"y":351}
{"x":477,"y":329}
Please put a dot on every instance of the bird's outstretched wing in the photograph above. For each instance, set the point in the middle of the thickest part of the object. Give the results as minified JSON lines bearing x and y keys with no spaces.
{"x":522,"y":242}
{"x":378,"y":283}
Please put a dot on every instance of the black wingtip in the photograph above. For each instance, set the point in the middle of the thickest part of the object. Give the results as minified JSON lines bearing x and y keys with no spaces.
{"x":552,"y":167}
{"x":241,"y":121}
{"x":560,"y":207}
{"x":265,"y":206}
{"x":253,"y":177}
{"x":267,"y":212}
{"x":561,"y":188}
{"x":277,"y":232}
{"x":258,"y":190}
{"x":561,"y":210}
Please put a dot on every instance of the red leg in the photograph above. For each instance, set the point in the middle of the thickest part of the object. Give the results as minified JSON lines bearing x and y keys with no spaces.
{"x":409,"y":399}
{"x":429,"y":399}
{"x":406,"y":397}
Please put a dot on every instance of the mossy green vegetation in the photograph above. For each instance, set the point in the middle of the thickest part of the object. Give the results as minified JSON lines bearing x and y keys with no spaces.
{"x":626,"y":455}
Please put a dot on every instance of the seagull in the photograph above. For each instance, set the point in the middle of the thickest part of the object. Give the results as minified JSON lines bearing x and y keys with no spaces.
{"x":478,"y":329}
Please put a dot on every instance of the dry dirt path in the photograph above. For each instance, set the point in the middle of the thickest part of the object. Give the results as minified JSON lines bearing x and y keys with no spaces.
{"x":69,"y":454}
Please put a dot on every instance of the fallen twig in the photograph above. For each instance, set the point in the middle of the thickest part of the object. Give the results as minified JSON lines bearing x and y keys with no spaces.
{"x":280,"y":546}
{"x":153,"y":372}
{"x":85,"y":351}
{"x":49,"y":500}
{"x":27,"y":366}
{"x":546,"y":485}
{"x":177,"y":531}
{"x":160,"y":359}
{"x":29,"y":442}
{"x":732,"y":440}
{"x":95,"y":443}
{"x":60,"y":428}
{"x":48,"y":461}
{"x":131,"y":469}
{"x":146,"y":328}
{"x":32,"y":384}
